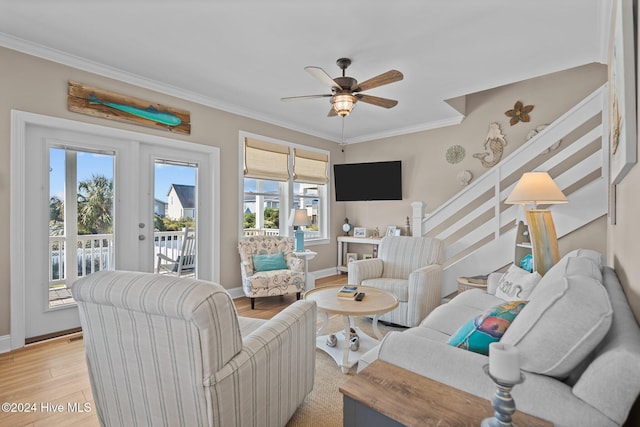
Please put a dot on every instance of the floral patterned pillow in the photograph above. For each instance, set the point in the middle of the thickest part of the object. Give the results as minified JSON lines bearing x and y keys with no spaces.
{"x":487,"y":327}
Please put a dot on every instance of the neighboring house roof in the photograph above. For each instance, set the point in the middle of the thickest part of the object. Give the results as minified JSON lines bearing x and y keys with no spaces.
{"x":186,"y":195}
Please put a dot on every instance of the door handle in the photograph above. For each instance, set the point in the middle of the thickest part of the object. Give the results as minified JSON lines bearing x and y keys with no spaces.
{"x":141,"y":237}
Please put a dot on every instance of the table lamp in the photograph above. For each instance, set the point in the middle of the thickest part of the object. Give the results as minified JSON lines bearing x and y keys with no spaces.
{"x":537,"y":188}
{"x":298,"y":219}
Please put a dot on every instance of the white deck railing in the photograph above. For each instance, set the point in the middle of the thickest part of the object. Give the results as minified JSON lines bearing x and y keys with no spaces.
{"x":95,"y":252}
{"x":479,"y":229}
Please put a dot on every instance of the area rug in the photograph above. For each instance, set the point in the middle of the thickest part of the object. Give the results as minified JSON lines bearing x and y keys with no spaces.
{"x":323,"y":406}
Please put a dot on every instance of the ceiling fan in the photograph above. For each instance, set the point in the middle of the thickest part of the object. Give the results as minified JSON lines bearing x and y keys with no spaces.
{"x":345,"y":91}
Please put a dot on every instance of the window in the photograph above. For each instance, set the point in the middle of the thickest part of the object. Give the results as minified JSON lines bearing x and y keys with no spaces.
{"x":279,"y":176}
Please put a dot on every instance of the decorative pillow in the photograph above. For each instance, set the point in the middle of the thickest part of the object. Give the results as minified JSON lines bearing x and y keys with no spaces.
{"x":517,"y":284}
{"x":269,"y":262}
{"x":565,"y":320}
{"x":488,"y":327}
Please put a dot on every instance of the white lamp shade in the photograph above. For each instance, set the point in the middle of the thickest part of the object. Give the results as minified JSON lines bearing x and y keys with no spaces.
{"x":299,"y":217}
{"x":536,"y":188}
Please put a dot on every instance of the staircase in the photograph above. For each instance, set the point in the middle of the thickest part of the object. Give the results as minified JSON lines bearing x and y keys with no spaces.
{"x":479,"y":230}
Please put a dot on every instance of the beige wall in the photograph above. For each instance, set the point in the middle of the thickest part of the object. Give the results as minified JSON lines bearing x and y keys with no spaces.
{"x":428,"y":177}
{"x":623,"y":248}
{"x":39,"y":86}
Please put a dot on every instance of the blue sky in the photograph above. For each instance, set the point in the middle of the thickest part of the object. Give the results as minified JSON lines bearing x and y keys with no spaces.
{"x":90,"y":164}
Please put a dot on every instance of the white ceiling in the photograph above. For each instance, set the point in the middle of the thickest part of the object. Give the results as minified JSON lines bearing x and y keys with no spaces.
{"x":242,"y":56}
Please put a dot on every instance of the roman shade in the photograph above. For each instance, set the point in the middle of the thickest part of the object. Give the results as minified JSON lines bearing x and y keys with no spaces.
{"x":310,"y":166}
{"x":266,"y":160}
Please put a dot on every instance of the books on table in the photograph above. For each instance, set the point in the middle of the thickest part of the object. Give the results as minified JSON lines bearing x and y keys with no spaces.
{"x":348,"y":291}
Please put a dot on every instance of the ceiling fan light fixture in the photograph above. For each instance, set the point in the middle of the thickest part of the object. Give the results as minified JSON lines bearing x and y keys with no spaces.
{"x":343,"y":104}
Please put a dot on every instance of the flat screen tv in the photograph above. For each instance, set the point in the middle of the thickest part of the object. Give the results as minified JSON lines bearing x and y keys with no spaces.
{"x":368,"y":181}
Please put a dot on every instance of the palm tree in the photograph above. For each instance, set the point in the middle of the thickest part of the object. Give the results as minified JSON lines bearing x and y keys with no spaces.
{"x":95,"y":204}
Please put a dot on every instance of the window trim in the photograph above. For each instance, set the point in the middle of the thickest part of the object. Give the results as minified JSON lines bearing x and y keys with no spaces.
{"x":288,"y":195}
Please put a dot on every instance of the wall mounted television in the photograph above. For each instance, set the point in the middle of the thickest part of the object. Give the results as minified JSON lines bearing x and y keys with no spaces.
{"x":368,"y":181}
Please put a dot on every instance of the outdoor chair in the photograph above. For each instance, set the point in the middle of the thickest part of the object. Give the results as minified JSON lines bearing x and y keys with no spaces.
{"x":185,"y":262}
{"x":269,"y":267}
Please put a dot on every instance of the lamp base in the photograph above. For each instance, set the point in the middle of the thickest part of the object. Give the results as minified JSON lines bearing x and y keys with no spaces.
{"x":299,"y":244}
{"x":543,"y":236}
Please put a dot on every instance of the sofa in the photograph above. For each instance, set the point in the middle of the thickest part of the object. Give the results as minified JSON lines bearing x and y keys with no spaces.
{"x":578,"y":340}
{"x":170,"y":351}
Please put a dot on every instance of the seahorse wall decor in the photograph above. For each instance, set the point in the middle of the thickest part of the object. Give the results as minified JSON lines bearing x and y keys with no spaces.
{"x":494,"y":146}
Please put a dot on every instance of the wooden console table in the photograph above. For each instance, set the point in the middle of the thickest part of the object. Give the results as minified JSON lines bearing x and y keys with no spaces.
{"x":387,"y":395}
{"x":343,"y":248}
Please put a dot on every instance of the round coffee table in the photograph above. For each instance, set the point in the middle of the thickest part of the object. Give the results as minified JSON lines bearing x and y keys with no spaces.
{"x":375,"y":302}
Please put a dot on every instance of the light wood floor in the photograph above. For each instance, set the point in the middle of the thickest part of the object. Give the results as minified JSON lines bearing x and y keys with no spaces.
{"x":47,"y":379}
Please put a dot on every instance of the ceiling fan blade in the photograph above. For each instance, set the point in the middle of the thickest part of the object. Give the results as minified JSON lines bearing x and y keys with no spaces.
{"x":296,"y":98}
{"x":322,"y":75}
{"x":376,"y":100}
{"x":390,"y":76}
{"x":332,"y":112}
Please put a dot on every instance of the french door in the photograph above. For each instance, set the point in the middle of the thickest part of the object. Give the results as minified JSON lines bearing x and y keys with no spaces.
{"x":96,"y":199}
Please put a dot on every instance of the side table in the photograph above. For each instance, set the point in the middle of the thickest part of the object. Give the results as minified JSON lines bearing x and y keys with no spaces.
{"x":464,"y":285}
{"x":306,"y":256}
{"x":384,"y":394}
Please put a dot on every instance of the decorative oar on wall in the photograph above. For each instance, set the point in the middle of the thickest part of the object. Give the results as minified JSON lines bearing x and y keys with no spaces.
{"x":109,"y":105}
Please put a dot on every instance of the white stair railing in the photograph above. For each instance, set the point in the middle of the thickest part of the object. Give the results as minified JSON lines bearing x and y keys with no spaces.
{"x":479,"y":229}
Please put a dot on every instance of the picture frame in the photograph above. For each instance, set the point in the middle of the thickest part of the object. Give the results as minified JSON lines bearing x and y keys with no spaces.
{"x":391,"y":230}
{"x":622,"y":93}
{"x":351,"y":256}
{"x":359,"y":232}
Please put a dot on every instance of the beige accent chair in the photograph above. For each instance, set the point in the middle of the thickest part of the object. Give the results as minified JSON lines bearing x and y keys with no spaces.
{"x":171,"y":351}
{"x":184,"y":263}
{"x":408,"y":267}
{"x":274,"y":282}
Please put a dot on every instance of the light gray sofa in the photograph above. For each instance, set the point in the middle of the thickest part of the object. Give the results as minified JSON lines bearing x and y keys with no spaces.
{"x":578,"y":340}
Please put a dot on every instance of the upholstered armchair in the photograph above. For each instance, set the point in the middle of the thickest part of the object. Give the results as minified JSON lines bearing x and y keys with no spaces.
{"x":269,"y":267}
{"x":408,"y":267}
{"x":170,"y":351}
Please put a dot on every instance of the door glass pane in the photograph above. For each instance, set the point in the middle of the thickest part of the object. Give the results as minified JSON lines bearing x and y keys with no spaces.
{"x":80,"y":219}
{"x":175,"y":217}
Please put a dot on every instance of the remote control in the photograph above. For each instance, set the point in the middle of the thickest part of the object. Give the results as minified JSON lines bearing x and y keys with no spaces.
{"x":360,"y":296}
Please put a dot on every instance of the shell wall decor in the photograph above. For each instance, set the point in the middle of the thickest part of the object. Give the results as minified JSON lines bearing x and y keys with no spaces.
{"x":455,"y":154}
{"x":464,"y":178}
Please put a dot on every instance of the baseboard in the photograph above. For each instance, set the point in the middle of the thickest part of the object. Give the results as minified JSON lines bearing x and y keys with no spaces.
{"x":319,"y":274}
{"x":5,"y":344}
{"x":236,"y":292}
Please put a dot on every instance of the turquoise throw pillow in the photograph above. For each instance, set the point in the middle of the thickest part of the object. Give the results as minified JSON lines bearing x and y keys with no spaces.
{"x":488,"y":327}
{"x":269,"y":262}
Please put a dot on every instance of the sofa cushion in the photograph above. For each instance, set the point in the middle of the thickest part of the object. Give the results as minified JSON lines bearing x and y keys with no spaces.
{"x":564,"y":321}
{"x":475,"y":298}
{"x":447,"y":318}
{"x":571,"y":266}
{"x":487,"y":327}
{"x":594,"y":256}
{"x":397,"y":287}
{"x":269,"y":262}
{"x":516,"y":284}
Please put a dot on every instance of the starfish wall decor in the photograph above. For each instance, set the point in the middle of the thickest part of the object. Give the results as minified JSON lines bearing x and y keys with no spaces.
{"x":519,"y":113}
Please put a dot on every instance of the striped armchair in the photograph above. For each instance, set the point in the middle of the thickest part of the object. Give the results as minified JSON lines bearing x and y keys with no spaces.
{"x":408,"y":267}
{"x":169,"y":351}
